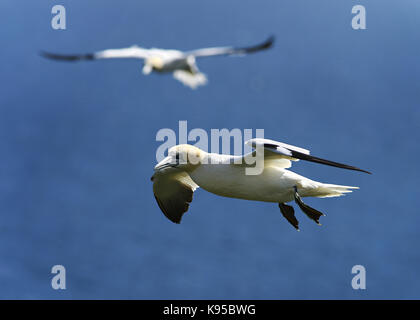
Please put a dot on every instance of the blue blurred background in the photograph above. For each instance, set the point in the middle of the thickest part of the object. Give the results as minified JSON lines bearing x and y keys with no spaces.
{"x":77,"y":145}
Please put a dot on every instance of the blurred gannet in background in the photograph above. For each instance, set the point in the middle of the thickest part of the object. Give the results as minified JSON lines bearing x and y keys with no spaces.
{"x":187,"y":167}
{"x":182,"y":64}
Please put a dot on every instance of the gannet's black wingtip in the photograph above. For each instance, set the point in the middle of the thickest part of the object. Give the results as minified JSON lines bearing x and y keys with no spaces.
{"x":267,"y":44}
{"x":270,"y":40}
{"x":307,"y":157}
{"x":294,"y":153}
{"x":63,"y":57}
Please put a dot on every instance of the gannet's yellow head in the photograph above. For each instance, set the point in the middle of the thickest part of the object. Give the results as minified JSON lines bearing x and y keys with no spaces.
{"x":155,"y":62}
{"x":183,"y":156}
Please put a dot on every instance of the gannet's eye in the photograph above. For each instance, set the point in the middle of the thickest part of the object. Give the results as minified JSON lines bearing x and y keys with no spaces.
{"x":177,"y":156}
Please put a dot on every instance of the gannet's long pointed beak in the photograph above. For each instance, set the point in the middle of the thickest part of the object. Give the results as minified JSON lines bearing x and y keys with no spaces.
{"x":165,"y":163}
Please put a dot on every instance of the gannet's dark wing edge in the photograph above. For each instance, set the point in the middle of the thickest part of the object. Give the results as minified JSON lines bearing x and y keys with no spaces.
{"x":70,"y":58}
{"x":308,"y":157}
{"x":283,"y":150}
{"x":133,"y":52}
{"x":219,"y":51}
{"x":262,"y":46}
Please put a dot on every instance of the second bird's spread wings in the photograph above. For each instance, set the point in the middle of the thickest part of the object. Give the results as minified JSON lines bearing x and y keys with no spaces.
{"x":173,"y":190}
{"x":136,"y":52}
{"x":217,"y":51}
{"x":274,"y":150}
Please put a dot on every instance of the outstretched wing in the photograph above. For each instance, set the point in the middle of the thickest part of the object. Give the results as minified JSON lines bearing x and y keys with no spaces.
{"x":274,"y":149}
{"x":173,"y":190}
{"x":133,"y":52}
{"x":209,"y":52}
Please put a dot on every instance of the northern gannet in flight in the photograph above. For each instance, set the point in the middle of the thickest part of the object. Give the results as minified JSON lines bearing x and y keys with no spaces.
{"x":187,"y":167}
{"x":181,"y":64}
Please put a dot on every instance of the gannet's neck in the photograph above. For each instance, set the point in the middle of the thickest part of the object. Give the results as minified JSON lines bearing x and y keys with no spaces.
{"x":216,"y":158}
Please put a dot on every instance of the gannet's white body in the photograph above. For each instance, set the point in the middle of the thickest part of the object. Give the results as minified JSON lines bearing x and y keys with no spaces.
{"x":274,"y":184}
{"x":186,"y":168}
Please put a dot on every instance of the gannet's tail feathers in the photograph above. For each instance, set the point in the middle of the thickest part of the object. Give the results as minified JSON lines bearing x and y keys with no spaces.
{"x":331,"y":190}
{"x":192,"y":80}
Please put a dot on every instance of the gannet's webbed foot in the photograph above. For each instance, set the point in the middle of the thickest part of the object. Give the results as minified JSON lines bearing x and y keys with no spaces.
{"x":310,"y":212}
{"x":289,"y":213}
